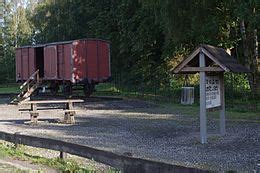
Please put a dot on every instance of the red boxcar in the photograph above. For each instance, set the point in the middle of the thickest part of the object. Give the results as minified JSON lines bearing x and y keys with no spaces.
{"x":83,"y":62}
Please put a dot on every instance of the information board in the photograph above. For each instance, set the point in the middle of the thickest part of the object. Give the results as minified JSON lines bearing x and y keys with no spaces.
{"x":212,"y":92}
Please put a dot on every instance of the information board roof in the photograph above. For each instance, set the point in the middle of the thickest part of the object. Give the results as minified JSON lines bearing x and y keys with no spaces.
{"x":217,"y":59}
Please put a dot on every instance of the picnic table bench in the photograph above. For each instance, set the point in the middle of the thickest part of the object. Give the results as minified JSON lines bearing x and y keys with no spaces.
{"x":68,"y":109}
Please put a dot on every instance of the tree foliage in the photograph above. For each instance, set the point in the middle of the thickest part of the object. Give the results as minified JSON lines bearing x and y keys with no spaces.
{"x":148,"y":37}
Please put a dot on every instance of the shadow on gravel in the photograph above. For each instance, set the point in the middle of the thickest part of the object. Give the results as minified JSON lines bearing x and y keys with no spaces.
{"x":130,"y":106}
{"x":112,"y":127}
{"x":5,"y":99}
{"x":154,"y":136}
{"x":118,"y":105}
{"x":24,"y":121}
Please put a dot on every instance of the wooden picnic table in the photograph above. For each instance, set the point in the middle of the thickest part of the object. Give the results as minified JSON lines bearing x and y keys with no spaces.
{"x":68,"y":109}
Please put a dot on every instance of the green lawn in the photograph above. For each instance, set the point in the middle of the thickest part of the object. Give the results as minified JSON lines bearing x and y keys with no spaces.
{"x":9,"y":88}
{"x":8,"y":150}
{"x":242,"y":109}
{"x":67,"y":165}
{"x":231,"y":114}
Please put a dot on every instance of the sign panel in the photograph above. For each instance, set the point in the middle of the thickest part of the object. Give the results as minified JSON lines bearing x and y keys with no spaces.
{"x":212,"y":92}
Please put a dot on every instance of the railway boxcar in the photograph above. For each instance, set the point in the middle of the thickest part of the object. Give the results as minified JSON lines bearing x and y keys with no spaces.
{"x":84,"y":62}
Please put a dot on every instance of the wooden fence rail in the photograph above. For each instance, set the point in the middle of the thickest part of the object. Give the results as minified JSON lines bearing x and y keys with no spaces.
{"x":124,"y":163}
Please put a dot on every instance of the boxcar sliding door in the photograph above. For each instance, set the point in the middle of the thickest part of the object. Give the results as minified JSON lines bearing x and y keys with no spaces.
{"x":25,"y":63}
{"x":50,"y":63}
{"x":31,"y":63}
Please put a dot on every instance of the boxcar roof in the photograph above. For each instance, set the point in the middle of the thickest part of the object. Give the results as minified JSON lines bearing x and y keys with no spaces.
{"x":63,"y":42}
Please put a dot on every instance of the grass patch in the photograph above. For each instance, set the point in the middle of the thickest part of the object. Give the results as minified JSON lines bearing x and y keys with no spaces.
{"x":9,"y":88}
{"x":59,"y":164}
{"x":242,"y":109}
{"x":67,"y":165}
{"x":236,"y":109}
{"x":108,"y":89}
{"x":193,"y":111}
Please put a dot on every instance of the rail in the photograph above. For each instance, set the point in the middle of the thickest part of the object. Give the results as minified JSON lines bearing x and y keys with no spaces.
{"x":32,"y":77}
{"x":124,"y":163}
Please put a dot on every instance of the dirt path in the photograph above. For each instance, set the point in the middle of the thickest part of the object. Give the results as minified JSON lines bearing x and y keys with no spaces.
{"x":147,"y":131}
{"x":8,"y":165}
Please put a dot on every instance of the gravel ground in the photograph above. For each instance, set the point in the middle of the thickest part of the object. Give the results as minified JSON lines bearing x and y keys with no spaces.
{"x":147,"y":131}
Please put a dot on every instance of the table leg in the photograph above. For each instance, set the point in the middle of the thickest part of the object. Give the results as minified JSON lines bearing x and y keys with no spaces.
{"x":33,"y":107}
{"x":34,"y":114}
{"x":69,"y":105}
{"x":34,"y":117}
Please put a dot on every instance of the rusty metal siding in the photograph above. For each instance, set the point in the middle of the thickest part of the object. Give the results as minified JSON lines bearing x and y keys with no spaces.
{"x":25,"y":63}
{"x":64,"y":62}
{"x":18,"y":61}
{"x":92,"y":69}
{"x":72,"y":61}
{"x":31,"y":61}
{"x":67,"y":62}
{"x":50,"y":63}
{"x":79,"y":60}
{"x":104,"y":67}
{"x":91,"y":59}
{"x":60,"y":61}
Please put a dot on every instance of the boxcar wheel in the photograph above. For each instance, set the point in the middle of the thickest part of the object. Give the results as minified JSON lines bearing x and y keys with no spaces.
{"x":67,"y":89}
{"x":54,"y":88}
{"x":88,"y":89}
{"x":36,"y":92}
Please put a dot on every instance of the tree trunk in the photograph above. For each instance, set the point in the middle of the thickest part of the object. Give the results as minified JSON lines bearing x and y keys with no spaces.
{"x":245,"y":45}
{"x":256,"y":65}
{"x":255,"y":61}
{"x":250,"y":51}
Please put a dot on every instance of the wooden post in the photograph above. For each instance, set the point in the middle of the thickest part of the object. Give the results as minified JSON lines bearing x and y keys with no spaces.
{"x":203,"y":119}
{"x":33,"y":107}
{"x":69,"y":114}
{"x":34,"y":114}
{"x":37,"y":76}
{"x":34,"y":117}
{"x":17,"y":141}
{"x":63,"y":155}
{"x":69,"y":106}
{"x":69,"y":117}
{"x":222,"y":101}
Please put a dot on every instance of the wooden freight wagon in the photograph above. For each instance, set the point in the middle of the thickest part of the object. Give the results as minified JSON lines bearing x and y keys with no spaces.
{"x":84,"y":62}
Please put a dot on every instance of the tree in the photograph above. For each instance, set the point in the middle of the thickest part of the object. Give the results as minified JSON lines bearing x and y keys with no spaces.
{"x":16,"y":31}
{"x":147,"y":36}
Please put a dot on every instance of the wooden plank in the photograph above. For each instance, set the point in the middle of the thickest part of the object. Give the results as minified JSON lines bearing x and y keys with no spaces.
{"x":32,"y":77}
{"x":215,"y":60}
{"x":125,"y":163}
{"x":52,"y":101}
{"x":70,"y":110}
{"x":222,"y":110}
{"x":203,"y":118}
{"x":200,"y":69}
{"x":186,"y":61}
{"x":33,"y":107}
{"x":42,"y":109}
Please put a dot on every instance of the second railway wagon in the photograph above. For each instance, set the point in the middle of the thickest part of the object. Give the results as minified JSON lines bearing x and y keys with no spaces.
{"x":84,"y":62}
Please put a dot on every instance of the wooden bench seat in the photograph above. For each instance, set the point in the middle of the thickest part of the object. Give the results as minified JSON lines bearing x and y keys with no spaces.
{"x":69,"y":112}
